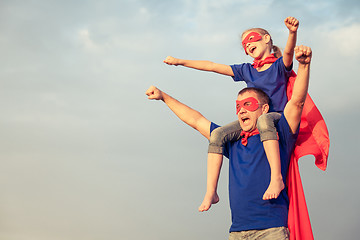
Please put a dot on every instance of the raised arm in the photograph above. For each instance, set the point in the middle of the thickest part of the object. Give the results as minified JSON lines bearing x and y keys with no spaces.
{"x":294,"y":107}
{"x":188,"y":115}
{"x":201,"y":65}
{"x":292,"y":24}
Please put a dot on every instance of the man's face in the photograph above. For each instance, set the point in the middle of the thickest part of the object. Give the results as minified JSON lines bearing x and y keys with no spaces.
{"x":248,"y":118}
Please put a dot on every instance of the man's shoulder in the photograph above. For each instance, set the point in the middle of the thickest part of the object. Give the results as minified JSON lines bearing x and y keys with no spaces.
{"x":284,"y":130}
{"x":283,"y":122}
{"x":213,"y":126}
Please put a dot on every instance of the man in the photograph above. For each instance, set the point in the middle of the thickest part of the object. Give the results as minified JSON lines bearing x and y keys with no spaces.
{"x":249,"y":175}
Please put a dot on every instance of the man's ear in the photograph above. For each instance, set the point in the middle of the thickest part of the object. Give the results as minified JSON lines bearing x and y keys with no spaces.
{"x":265,"y":108}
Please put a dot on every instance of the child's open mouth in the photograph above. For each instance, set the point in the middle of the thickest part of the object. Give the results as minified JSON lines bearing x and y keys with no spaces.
{"x":252,"y":49}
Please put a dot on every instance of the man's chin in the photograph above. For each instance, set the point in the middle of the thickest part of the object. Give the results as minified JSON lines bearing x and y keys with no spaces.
{"x":246,"y":128}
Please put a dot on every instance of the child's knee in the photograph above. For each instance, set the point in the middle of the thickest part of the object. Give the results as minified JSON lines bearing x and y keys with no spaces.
{"x":266,"y":127}
{"x":222,"y":135}
{"x":216,"y":141}
{"x":217,"y":137}
{"x":265,"y":123}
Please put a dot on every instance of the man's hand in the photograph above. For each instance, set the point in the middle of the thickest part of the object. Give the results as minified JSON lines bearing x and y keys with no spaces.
{"x":154,"y":93}
{"x":292,"y":24}
{"x":303,"y":54}
{"x":186,"y":114}
{"x":171,"y":61}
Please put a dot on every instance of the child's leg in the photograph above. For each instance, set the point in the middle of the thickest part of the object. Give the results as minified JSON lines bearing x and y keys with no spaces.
{"x":266,"y":126}
{"x":276,"y":181}
{"x":219,"y":137}
{"x":214,"y":163}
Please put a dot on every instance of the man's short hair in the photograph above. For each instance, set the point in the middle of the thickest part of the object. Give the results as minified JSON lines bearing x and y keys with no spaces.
{"x":262,"y":96}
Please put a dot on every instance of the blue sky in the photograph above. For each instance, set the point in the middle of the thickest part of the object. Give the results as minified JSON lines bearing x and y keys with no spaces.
{"x":84,"y":154}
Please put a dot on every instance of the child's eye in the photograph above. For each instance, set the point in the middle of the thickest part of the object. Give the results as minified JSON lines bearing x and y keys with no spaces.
{"x":251,"y":37}
{"x":247,"y":104}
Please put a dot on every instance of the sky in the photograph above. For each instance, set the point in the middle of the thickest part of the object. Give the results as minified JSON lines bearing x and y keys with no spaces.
{"x":84,"y":155}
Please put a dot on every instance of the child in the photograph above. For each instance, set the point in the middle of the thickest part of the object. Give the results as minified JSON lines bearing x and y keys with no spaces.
{"x":269,"y":72}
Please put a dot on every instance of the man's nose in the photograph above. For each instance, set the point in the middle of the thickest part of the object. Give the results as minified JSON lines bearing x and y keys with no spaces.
{"x":242,"y":110}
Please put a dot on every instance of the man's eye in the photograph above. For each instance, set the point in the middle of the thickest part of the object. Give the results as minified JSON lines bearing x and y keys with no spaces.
{"x":251,"y":37}
{"x":247,"y":104}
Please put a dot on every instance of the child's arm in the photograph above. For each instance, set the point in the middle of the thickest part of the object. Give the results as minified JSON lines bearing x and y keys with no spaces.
{"x":201,"y":65}
{"x":292,"y":24}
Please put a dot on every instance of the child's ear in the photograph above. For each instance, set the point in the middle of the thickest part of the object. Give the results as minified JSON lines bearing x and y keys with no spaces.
{"x":267,"y":38}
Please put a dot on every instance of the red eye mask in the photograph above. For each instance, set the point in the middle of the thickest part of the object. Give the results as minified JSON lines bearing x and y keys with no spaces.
{"x":251,"y":37}
{"x":250,"y":104}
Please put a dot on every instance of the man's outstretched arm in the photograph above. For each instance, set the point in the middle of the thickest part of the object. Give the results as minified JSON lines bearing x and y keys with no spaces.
{"x":294,"y":107}
{"x":188,"y":115}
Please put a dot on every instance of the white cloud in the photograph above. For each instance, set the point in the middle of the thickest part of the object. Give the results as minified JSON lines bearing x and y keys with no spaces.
{"x":86,"y":41}
{"x":344,"y":40}
{"x":144,"y":13}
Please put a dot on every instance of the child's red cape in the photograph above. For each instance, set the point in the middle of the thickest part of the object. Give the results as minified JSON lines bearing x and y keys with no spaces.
{"x":314,"y":140}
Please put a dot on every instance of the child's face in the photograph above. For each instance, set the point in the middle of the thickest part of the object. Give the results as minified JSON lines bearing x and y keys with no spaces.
{"x":255,"y":45}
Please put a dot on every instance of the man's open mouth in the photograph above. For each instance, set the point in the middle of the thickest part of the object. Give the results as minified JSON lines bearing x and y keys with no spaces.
{"x":245,"y":119}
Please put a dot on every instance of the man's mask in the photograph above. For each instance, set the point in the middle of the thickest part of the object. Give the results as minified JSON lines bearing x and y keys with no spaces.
{"x":251,"y":104}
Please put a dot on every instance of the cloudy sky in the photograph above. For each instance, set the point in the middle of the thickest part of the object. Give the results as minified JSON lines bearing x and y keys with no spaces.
{"x":85,"y":156}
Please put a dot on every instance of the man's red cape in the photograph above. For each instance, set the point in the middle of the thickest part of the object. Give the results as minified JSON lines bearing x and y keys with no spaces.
{"x":314,"y":140}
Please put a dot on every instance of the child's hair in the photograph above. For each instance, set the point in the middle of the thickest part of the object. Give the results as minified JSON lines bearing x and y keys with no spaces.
{"x":276,"y":50}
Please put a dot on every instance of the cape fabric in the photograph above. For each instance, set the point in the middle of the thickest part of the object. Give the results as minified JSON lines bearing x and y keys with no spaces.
{"x":314,"y":140}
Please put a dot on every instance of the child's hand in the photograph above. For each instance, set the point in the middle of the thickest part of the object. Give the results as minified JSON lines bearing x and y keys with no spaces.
{"x":292,"y":24}
{"x":154,"y":93}
{"x":303,"y":54}
{"x":171,"y":61}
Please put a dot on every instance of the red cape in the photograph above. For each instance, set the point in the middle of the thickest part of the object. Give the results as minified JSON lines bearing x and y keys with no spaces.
{"x":314,"y":140}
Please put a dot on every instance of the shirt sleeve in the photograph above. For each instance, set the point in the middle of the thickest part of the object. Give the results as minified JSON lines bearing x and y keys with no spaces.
{"x":238,"y":72}
{"x":285,"y":134}
{"x":213,"y":126}
{"x":287,"y":71}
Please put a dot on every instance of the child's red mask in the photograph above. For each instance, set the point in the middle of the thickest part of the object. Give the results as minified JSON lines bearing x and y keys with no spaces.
{"x":250,"y":104}
{"x":251,"y":37}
